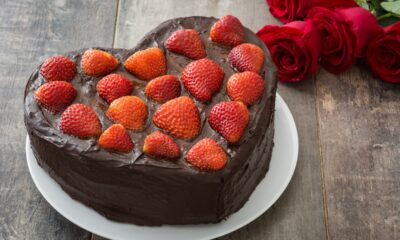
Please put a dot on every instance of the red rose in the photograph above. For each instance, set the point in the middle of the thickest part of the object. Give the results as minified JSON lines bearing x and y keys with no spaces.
{"x":383,"y":55}
{"x":294,"y":49}
{"x":338,"y":41}
{"x":345,"y":35}
{"x":363,"y":24}
{"x":290,"y":10}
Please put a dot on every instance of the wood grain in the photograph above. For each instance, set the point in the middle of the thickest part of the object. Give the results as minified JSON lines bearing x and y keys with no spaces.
{"x":299,"y":213}
{"x":360,"y":138}
{"x":31,"y":31}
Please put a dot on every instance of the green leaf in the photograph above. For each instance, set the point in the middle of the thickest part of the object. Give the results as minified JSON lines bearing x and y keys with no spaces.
{"x":363,"y":4}
{"x":388,"y":21}
{"x":393,"y":7}
{"x":375,"y":7}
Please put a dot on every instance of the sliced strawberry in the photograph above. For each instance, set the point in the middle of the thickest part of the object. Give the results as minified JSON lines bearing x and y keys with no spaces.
{"x":147,"y":64}
{"x":98,"y":63}
{"x":179,"y":117}
{"x":247,"y":57}
{"x":58,"y":68}
{"x":229,"y":119}
{"x":202,"y":78}
{"x":55,"y":96}
{"x":247,"y":87}
{"x":114,"y":86}
{"x":207,"y":155}
{"x":228,"y":30}
{"x":116,"y":138}
{"x":186,"y":42}
{"x":163,"y":88}
{"x":80,"y":121}
{"x":130,"y":111}
{"x":161,"y":145}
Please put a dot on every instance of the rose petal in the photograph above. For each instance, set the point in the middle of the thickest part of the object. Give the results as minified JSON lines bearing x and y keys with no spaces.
{"x":383,"y":54}
{"x":338,"y":43}
{"x":294,"y":48}
{"x":364,"y":26}
{"x":290,"y":10}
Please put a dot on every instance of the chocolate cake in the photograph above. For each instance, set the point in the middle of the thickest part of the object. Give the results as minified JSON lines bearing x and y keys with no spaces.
{"x":142,"y":184}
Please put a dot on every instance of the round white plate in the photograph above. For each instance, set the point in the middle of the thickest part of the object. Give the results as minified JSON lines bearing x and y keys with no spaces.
{"x":283,"y":164}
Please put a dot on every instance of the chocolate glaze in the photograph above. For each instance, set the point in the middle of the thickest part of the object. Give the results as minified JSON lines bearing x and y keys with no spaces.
{"x":136,"y":188}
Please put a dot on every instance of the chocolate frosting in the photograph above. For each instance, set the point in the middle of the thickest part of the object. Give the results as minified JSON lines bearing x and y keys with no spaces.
{"x":133,"y":187}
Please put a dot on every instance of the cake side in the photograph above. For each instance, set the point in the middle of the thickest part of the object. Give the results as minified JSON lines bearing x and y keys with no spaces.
{"x":164,"y":192}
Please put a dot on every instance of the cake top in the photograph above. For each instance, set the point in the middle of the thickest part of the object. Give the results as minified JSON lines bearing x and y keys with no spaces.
{"x":189,"y":95}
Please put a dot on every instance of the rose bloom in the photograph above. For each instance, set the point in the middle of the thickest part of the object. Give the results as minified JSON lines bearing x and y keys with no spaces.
{"x":294,"y":48}
{"x":290,"y":10}
{"x":383,"y":55}
{"x":345,"y":34}
{"x":337,"y":39}
{"x":363,"y":24}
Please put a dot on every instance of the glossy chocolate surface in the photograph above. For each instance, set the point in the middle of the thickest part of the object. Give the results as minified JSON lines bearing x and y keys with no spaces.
{"x":135,"y":188}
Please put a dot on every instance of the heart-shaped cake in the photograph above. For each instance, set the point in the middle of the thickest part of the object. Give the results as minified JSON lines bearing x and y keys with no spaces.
{"x":178,"y":130}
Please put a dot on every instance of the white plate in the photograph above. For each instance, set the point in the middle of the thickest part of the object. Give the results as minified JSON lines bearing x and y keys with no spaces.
{"x":283,"y":164}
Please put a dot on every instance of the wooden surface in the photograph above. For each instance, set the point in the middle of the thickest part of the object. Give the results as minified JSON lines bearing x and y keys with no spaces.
{"x":359,"y":119}
{"x":347,"y":181}
{"x":30,"y":31}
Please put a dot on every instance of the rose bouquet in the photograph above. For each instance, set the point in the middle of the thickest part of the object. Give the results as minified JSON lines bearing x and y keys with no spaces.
{"x":334,"y":34}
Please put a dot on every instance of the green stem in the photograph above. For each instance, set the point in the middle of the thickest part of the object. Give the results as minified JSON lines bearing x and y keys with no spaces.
{"x":385,"y":16}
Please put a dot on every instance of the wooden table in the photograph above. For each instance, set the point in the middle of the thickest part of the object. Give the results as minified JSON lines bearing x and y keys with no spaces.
{"x":347,"y":181}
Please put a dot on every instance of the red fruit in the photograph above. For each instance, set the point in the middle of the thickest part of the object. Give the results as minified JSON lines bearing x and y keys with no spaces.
{"x":228,"y":30}
{"x":80,"y":121}
{"x":163,"y":88}
{"x":130,"y":111}
{"x":58,"y":68}
{"x":55,"y":96}
{"x":179,"y":117}
{"x":229,"y":119}
{"x":114,"y":86}
{"x":202,"y":78}
{"x":116,"y":138}
{"x":147,"y":64}
{"x":247,"y":87}
{"x":247,"y":57}
{"x":207,"y":154}
{"x":161,"y":145}
{"x":186,"y":42}
{"x":98,"y":63}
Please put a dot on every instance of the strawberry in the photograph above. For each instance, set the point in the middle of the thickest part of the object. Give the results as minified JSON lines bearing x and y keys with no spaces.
{"x":147,"y":64}
{"x":58,"y":68}
{"x":80,"y":121}
{"x":179,"y":117}
{"x":230,"y":119}
{"x":55,"y":96}
{"x":228,"y":30}
{"x":247,"y":87}
{"x":207,"y":155}
{"x":98,"y":63}
{"x":129,"y":111}
{"x":202,"y":78}
{"x":163,"y":88}
{"x":247,"y":57}
{"x":186,"y":42}
{"x":114,"y":86}
{"x":116,"y":138}
{"x":161,"y":145}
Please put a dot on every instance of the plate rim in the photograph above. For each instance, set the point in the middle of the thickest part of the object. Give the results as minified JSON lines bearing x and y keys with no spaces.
{"x":295,"y":141}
